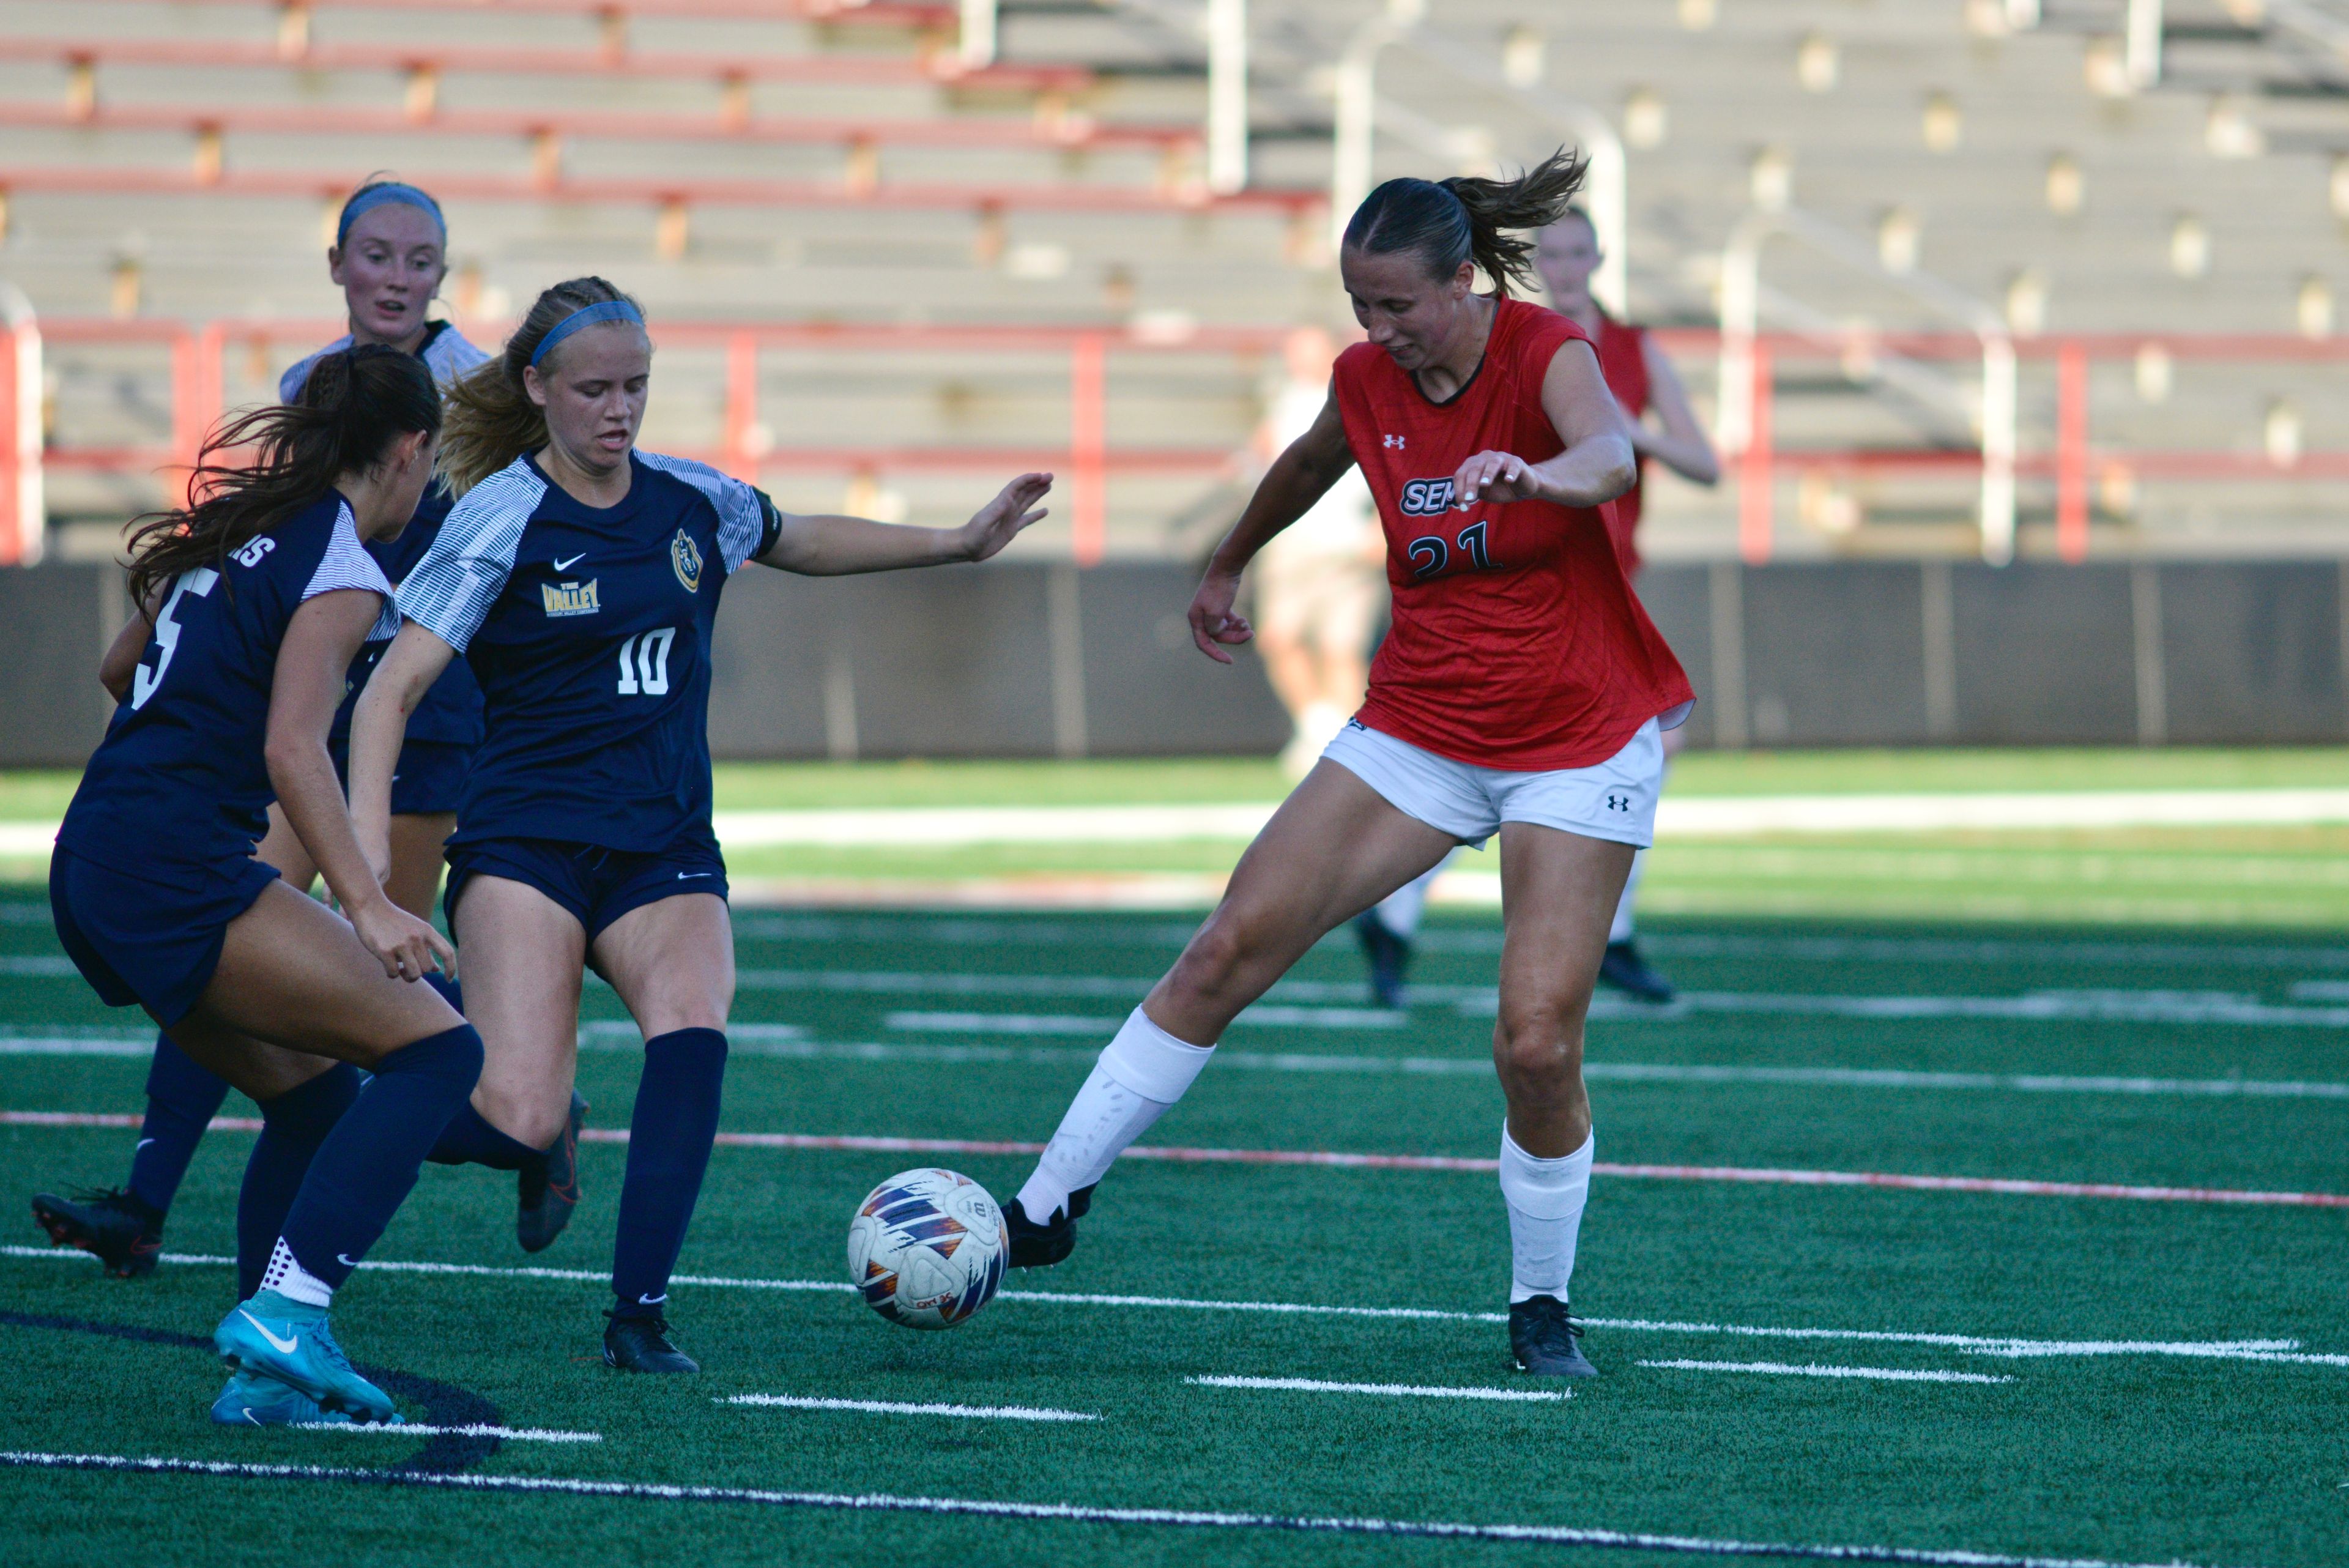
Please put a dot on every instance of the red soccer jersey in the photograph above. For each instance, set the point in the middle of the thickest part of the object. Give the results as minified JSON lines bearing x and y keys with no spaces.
{"x":1623,"y":361}
{"x":1517,"y":642}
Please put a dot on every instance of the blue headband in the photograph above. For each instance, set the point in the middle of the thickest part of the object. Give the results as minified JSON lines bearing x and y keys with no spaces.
{"x":374,"y":196}
{"x":610,"y":310}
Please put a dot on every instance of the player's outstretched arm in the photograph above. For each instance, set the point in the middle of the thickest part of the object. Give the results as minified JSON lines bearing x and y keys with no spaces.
{"x":1597,"y":465}
{"x":320,"y":642}
{"x":1298,"y":478}
{"x":379,"y":727}
{"x":822,"y":545}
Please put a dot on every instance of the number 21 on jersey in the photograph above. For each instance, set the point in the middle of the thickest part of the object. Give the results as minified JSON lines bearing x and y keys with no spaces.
{"x":644,"y":663}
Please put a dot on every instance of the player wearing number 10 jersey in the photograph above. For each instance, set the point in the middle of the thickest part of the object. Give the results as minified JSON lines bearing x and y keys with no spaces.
{"x":580,"y":579}
{"x":1520,"y":693}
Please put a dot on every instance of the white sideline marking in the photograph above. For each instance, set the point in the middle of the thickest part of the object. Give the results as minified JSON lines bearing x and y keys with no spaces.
{"x":1811,"y":1369}
{"x":790,"y":1042}
{"x":2275,"y":1350}
{"x":1401,"y":1390}
{"x":511,"y":1434}
{"x":893,"y":1407}
{"x":1677,"y":817}
{"x":1548,"y":1534}
{"x":1065,"y":1023}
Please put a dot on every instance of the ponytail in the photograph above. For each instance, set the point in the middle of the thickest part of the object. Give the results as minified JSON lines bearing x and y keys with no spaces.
{"x":354,"y":405}
{"x":1449,"y":222}
{"x":492,"y":420}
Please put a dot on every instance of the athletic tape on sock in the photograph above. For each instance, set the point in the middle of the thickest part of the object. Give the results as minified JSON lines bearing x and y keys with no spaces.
{"x":1546,"y":1189}
{"x":1152,"y":1063}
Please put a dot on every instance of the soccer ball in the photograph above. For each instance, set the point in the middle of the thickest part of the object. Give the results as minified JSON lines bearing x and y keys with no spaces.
{"x":926,"y":1248}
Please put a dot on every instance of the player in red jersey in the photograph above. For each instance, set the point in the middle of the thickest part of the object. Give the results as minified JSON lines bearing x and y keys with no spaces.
{"x":1644,"y":382}
{"x":1520,"y":692}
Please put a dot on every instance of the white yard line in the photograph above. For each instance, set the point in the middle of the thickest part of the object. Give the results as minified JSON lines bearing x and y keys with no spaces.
{"x":2279,"y":1350}
{"x":893,"y":1407}
{"x":990,"y":1508}
{"x":1392,"y":1390}
{"x":509,"y":1434}
{"x":1811,"y":1370}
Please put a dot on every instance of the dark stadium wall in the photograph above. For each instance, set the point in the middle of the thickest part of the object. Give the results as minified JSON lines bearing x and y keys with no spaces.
{"x":1036,"y":659}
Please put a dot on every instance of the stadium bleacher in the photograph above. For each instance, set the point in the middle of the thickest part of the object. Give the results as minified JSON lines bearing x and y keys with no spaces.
{"x":813,"y":163}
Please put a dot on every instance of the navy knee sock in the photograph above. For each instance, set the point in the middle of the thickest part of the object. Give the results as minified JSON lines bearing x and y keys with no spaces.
{"x":470,"y":1139}
{"x":181,"y":1100}
{"x":368,"y":1165}
{"x":669,"y":1138}
{"x":293,"y":1126}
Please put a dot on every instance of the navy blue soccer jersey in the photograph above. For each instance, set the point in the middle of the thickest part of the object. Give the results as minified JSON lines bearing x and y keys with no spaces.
{"x":181,"y":777}
{"x":589,"y":629}
{"x":450,"y":712}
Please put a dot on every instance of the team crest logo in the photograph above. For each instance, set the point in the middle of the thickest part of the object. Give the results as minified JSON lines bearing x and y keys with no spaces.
{"x":569,"y":598}
{"x":685,"y":556}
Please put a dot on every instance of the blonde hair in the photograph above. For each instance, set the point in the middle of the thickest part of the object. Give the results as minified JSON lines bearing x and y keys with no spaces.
{"x":492,"y":420}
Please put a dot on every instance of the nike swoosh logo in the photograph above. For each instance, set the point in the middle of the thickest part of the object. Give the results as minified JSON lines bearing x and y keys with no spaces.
{"x":346,"y":1262}
{"x":652,"y":1301}
{"x":689,"y":875}
{"x":566,"y":565}
{"x":282,"y":1346}
{"x":143,"y":1143}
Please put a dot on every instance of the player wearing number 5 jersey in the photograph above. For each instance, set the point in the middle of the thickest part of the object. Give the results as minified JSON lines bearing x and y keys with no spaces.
{"x":580,"y":579}
{"x":252,"y":601}
{"x":1520,"y":693}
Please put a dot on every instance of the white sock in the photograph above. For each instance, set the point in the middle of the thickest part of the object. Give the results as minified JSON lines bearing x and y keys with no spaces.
{"x":1399,"y":910}
{"x":1140,"y":1073}
{"x":1620,"y":931}
{"x":292,"y":1280}
{"x":1545,"y":1198}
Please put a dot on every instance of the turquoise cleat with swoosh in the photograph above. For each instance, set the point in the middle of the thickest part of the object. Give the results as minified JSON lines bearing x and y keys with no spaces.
{"x":253,"y":1400}
{"x":290,"y":1342}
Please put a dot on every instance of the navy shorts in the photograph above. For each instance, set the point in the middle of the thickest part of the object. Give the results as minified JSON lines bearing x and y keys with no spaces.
{"x":428,"y":778}
{"x":596,"y":885}
{"x":149,"y":942}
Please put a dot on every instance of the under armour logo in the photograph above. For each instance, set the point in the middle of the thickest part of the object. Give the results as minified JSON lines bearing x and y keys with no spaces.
{"x":1394,"y":443}
{"x":1619,"y":802}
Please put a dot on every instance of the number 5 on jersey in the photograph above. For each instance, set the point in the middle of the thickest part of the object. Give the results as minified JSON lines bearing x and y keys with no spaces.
{"x":644,"y":663}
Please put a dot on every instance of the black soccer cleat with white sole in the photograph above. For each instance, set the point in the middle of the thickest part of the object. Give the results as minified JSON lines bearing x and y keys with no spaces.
{"x":1543,"y":1339}
{"x":1623,"y":968}
{"x":634,"y":1344}
{"x":1035,"y":1246}
{"x":546,"y":1196}
{"x":119,"y":1230}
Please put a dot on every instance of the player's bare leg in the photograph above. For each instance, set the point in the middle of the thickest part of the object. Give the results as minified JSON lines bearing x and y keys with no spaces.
{"x":1558,"y":892}
{"x":673,"y":964}
{"x":1334,"y":849}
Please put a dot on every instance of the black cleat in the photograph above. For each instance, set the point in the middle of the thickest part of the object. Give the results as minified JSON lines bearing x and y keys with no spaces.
{"x":641,"y":1344}
{"x":548,"y":1194}
{"x":1542,"y":1337}
{"x":1389,"y":956}
{"x":1626,"y":972}
{"x":122,"y":1232}
{"x":1035,"y":1246}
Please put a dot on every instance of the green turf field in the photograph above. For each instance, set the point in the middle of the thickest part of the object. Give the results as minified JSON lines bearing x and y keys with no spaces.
{"x":2111,"y":1407}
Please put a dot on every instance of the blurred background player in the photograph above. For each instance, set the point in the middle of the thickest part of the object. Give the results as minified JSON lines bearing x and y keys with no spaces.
{"x":389,"y":256}
{"x":1320,"y":586}
{"x":581,"y":578}
{"x":252,"y":603}
{"x":1520,"y":692}
{"x":1642,"y":379}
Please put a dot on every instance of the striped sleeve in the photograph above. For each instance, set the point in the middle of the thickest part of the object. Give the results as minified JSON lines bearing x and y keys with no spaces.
{"x":451,"y":590}
{"x":346,"y":565}
{"x":744,"y":530}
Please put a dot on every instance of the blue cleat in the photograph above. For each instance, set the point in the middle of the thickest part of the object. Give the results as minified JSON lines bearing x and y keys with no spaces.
{"x":289,"y":1341}
{"x":253,"y":1400}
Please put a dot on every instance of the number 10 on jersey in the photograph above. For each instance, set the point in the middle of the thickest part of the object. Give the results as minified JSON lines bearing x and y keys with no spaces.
{"x":644,"y":663}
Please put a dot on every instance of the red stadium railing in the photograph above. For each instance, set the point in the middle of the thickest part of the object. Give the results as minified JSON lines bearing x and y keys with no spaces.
{"x":882,"y":13}
{"x":2067,"y":458}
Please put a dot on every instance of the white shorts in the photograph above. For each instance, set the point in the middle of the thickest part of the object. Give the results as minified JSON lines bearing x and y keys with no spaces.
{"x":1613,"y":800}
